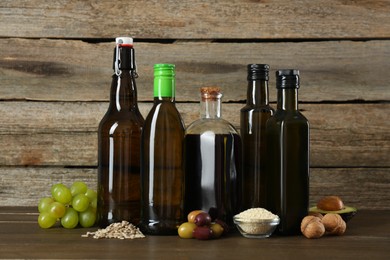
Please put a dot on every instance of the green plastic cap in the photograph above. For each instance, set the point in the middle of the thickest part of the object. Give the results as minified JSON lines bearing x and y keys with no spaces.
{"x":164,"y":80}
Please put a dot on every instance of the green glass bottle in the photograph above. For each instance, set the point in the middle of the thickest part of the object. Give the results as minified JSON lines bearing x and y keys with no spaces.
{"x":253,"y":119}
{"x":288,"y":162}
{"x":162,"y":173}
{"x":119,"y":137}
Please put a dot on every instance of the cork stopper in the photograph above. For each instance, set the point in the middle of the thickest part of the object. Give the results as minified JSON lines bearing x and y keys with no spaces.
{"x":212,"y":92}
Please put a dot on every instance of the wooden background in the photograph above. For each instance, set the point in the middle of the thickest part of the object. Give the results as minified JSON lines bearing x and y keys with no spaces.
{"x":56,"y":66}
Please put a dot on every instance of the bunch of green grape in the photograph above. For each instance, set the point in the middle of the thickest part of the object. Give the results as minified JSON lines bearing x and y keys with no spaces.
{"x":71,"y":206}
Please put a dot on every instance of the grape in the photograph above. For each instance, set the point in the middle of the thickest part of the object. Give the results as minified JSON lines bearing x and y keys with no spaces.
{"x":45,"y":220}
{"x":70,"y":219}
{"x":62,"y":194}
{"x":93,"y":203}
{"x":80,"y":202}
{"x":55,"y":187}
{"x":72,"y":206}
{"x":87,"y":218}
{"x":91,"y":194}
{"x":57,"y":210}
{"x":44,"y":203}
{"x":78,"y":187}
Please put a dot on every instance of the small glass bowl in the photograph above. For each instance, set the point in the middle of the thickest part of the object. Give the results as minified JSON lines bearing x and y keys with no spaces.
{"x":260,"y":228}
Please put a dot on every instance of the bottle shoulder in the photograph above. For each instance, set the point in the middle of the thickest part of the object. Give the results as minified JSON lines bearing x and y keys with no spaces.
{"x":257,"y":109}
{"x":123,"y":118}
{"x":164,"y":114}
{"x":218,"y":126}
{"x":254,"y":107}
{"x":288,"y":118}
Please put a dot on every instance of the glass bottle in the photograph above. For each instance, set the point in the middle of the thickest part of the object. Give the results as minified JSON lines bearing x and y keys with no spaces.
{"x":119,"y":136}
{"x":212,"y":149}
{"x":253,"y":119}
{"x":288,"y":150}
{"x":161,"y":158}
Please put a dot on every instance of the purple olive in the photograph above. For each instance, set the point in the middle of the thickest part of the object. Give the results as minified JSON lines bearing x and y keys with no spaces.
{"x":203,"y":233}
{"x":202,"y":219}
{"x":224,"y":226}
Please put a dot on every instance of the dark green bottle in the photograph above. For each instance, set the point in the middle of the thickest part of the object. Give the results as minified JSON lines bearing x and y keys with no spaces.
{"x":119,"y":137}
{"x":253,"y":119}
{"x":162,"y":172}
{"x":288,"y":150}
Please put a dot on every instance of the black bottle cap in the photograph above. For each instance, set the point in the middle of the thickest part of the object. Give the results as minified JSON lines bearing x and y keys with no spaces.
{"x":258,"y":72}
{"x":287,"y":78}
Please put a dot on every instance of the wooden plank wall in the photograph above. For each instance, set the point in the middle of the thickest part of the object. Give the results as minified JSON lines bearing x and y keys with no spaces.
{"x":55,"y":73}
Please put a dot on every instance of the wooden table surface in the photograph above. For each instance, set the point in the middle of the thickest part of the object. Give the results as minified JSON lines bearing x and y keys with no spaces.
{"x":367,"y":237}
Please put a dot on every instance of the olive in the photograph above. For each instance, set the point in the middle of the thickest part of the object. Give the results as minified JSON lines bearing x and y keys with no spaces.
{"x":217,"y":230}
{"x":191,"y":216}
{"x":213,"y":212}
{"x":202,"y":219}
{"x":203,"y":233}
{"x":224,"y":226}
{"x":186,"y":230}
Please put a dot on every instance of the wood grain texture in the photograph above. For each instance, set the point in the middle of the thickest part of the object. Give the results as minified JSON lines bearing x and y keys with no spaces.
{"x":367,"y":237}
{"x":238,"y":19}
{"x":64,"y":134}
{"x":70,"y":70}
{"x":364,"y":188}
{"x":56,"y":66}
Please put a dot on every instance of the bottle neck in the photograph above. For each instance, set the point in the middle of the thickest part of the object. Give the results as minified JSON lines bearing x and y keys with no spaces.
{"x":164,"y":83}
{"x":123,"y":91}
{"x":257,"y":94}
{"x":164,"y":89}
{"x":287,"y":99}
{"x":210,"y":108}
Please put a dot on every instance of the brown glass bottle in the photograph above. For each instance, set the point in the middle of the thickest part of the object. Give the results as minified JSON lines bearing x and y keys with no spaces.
{"x":119,"y":138}
{"x":162,"y":173}
{"x":253,"y":119}
{"x":288,"y":160}
{"x":212,"y":149}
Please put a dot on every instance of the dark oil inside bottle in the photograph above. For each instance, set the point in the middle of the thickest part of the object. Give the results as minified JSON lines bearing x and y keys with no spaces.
{"x":254,"y":156}
{"x":288,"y":192}
{"x":212,"y":165}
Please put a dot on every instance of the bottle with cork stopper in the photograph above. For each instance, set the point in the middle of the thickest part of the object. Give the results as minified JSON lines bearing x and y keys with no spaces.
{"x":212,"y":156}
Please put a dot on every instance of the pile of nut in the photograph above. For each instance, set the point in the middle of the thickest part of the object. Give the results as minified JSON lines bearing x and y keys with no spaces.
{"x":120,"y":230}
{"x":316,"y":225}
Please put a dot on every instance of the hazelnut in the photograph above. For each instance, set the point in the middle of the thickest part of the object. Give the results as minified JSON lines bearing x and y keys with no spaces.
{"x":330,"y":203}
{"x":334,"y":224}
{"x":311,"y":227}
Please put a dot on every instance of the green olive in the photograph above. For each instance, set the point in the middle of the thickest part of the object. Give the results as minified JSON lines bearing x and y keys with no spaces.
{"x":186,"y":230}
{"x":191,"y":216}
{"x":217,"y":230}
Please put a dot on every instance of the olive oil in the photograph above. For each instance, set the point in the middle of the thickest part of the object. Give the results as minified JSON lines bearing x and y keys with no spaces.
{"x":253,"y":119}
{"x":288,"y":160}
